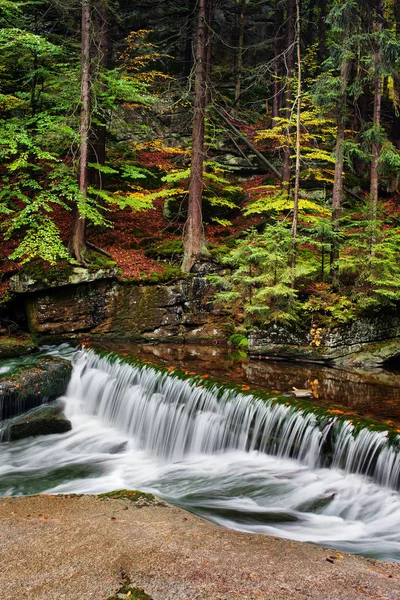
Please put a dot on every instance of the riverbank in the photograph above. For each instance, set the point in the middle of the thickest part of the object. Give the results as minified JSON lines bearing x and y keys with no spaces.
{"x":70,"y":547}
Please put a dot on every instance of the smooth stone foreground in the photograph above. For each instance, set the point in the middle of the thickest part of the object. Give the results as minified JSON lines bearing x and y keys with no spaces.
{"x":81,"y":548}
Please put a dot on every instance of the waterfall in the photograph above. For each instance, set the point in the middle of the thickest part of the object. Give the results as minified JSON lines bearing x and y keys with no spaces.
{"x":172,"y":418}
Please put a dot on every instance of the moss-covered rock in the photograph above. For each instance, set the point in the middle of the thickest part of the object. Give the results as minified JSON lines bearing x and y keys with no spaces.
{"x":131,"y":592}
{"x":139,"y":498}
{"x":32,"y":386}
{"x":71,"y":311}
{"x":38,"y":280}
{"x":44,"y":420}
{"x":363,"y":342}
{"x":110,"y":309}
{"x":12,"y":346}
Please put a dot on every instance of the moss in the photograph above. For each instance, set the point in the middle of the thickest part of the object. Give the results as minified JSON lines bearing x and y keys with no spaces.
{"x":133,"y":593}
{"x":28,"y":386}
{"x":166,"y":249}
{"x":98,"y":261}
{"x":40,"y":270}
{"x":45,"y":423}
{"x":139,"y":498}
{"x":168,"y":274}
{"x":11,"y":346}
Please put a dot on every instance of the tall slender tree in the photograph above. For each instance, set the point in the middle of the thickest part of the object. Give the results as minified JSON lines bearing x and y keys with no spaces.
{"x":376,"y":144}
{"x":193,"y":239}
{"x":298,"y":135}
{"x":78,"y":237}
{"x":290,"y":62}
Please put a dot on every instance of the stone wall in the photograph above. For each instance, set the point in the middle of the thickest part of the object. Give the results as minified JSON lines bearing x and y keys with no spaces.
{"x":109,"y":309}
{"x":365,"y":342}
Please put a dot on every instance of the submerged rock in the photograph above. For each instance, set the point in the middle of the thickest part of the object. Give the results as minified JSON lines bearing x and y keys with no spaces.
{"x":34,"y":385}
{"x":44,"y":420}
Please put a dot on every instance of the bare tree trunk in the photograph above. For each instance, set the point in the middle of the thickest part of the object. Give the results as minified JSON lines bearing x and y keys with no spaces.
{"x":100,"y":59}
{"x":78,"y":238}
{"x":193,"y":240}
{"x":239,"y":50}
{"x":291,"y":23}
{"x":277,"y":98}
{"x":298,"y":132}
{"x":376,"y":146}
{"x":337,"y":195}
{"x":188,"y":50}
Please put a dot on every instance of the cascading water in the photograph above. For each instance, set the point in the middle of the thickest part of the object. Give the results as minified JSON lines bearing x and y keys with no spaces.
{"x":244,"y":462}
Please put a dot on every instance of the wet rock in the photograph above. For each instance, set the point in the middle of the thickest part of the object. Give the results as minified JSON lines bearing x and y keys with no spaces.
{"x":32,"y":386}
{"x":70,"y":311}
{"x":10,"y":346}
{"x":45,"y":420}
{"x":362,"y":343}
{"x":127,"y":310}
{"x":22,"y":283}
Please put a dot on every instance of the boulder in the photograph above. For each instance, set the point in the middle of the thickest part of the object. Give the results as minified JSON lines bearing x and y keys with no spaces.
{"x":32,"y":386}
{"x":44,"y":420}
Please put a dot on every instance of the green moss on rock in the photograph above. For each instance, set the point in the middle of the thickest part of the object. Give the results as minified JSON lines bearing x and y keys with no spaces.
{"x":136,"y":496}
{"x":32,"y":386}
{"x":43,"y":421}
{"x":133,"y":593}
{"x":11,"y":346}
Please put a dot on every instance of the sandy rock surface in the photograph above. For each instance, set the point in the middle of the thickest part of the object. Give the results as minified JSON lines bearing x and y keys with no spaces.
{"x":79,"y":548}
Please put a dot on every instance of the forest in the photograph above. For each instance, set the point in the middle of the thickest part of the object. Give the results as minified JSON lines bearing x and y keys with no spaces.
{"x":259,"y":137}
{"x":199,"y":299}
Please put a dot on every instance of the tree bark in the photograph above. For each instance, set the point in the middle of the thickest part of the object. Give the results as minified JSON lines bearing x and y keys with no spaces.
{"x":277,"y":97}
{"x":337,"y":195}
{"x":298,"y":132}
{"x":376,"y":145}
{"x":78,"y":238}
{"x":193,"y":240}
{"x":188,"y":49}
{"x":291,"y":24}
{"x":101,"y":59}
{"x":239,"y":50}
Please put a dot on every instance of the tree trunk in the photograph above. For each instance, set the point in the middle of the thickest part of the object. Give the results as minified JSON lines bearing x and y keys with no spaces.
{"x":298,"y":132}
{"x":277,"y":97}
{"x":188,"y":50}
{"x":337,"y":195}
{"x":101,"y":59}
{"x":239,"y":50}
{"x":193,"y":239}
{"x":376,"y":146}
{"x":78,"y":238}
{"x":291,"y":24}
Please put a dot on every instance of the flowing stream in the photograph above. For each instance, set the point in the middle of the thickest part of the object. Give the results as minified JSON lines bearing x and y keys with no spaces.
{"x":243,"y":462}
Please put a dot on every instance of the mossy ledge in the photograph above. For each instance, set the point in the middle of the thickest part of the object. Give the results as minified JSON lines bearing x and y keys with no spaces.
{"x":139,"y":498}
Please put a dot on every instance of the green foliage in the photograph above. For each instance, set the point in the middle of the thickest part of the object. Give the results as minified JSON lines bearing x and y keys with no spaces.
{"x":260,"y":282}
{"x":239,"y":340}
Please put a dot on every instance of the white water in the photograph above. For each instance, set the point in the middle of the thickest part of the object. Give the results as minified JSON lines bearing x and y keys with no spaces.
{"x":137,"y":428}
